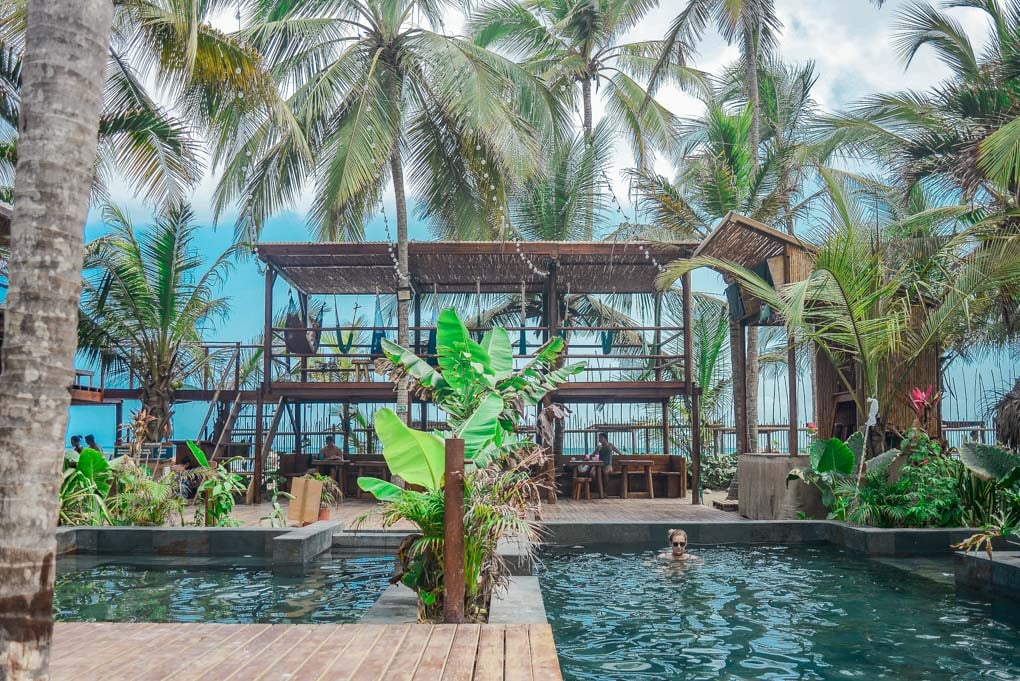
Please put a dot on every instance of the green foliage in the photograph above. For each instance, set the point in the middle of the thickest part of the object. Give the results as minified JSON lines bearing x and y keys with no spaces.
{"x":717,"y":471}
{"x":81,"y":502}
{"x":988,"y":484}
{"x":217,"y":487}
{"x":94,"y":466}
{"x":991,"y":463}
{"x":832,"y":456}
{"x":142,"y":501}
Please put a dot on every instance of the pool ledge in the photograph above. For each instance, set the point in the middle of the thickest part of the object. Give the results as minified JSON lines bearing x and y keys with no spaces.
{"x":284,"y":546}
{"x":521,"y":603}
{"x":871,"y":541}
{"x":996,"y":577}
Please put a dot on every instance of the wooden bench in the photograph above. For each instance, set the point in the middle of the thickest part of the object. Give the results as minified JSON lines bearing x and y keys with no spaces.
{"x":669,"y":475}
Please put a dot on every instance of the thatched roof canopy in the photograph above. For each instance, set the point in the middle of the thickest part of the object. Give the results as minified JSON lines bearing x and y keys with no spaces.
{"x":459,"y":266}
{"x":747,"y":242}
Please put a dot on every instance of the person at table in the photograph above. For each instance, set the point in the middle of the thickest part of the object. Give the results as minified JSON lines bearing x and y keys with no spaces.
{"x":330,"y":451}
{"x":604,"y":452}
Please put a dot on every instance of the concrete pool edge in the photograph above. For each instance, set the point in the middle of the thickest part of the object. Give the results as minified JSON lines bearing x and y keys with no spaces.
{"x":995,"y":577}
{"x":521,"y":603}
{"x":284,"y":546}
{"x":870,"y":541}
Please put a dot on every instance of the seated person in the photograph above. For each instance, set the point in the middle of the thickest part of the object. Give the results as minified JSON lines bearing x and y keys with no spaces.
{"x":90,"y":441}
{"x":330,"y":451}
{"x":677,"y":547}
{"x":76,"y":443}
{"x":604,"y":452}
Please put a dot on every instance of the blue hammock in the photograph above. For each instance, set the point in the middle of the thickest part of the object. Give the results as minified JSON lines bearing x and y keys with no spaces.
{"x":430,"y":344}
{"x":607,"y":338}
{"x":378,"y":333}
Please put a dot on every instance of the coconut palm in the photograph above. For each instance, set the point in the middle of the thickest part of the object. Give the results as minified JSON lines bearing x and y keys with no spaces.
{"x":207,"y":77}
{"x":380,"y":89}
{"x":871,"y":304}
{"x":63,"y":75}
{"x":577,"y":45}
{"x":146,"y":299}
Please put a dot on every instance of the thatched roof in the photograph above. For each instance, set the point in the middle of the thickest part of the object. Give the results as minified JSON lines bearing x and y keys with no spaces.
{"x":459,"y":266}
{"x":747,"y":242}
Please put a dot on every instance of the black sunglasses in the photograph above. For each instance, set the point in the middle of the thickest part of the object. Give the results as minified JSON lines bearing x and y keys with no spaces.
{"x":679,"y":543}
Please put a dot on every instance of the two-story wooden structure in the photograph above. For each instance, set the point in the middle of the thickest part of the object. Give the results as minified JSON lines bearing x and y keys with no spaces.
{"x":601,"y":296}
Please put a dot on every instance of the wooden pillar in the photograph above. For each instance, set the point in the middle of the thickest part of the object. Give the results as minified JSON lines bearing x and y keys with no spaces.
{"x":696,"y":447}
{"x":791,"y":369}
{"x":303,"y":305}
{"x":550,"y":303}
{"x":740,"y":387}
{"x":267,"y":333}
{"x":657,"y":345}
{"x":693,"y":391}
{"x":665,"y":431}
{"x":453,"y":530}
{"x":298,"y":445}
{"x":258,"y":447}
{"x":347,"y":429}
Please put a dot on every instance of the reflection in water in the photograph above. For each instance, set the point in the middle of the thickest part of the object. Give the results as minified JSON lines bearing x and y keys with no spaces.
{"x":754,"y":612}
{"x":130,"y":589}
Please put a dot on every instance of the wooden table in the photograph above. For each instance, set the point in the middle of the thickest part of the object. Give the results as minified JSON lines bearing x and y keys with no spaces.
{"x":598,"y":470}
{"x":363,"y":467}
{"x":336,"y":469}
{"x":645,"y":466}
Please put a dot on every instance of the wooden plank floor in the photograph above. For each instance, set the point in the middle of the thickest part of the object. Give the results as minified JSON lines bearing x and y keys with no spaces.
{"x":84,"y":651}
{"x":595,"y":510}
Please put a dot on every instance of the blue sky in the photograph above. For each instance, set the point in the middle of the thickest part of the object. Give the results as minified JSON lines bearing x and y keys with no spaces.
{"x":850,"y":41}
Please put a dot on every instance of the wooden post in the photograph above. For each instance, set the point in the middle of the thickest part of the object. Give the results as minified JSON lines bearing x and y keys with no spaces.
{"x":257,"y":448}
{"x":657,"y":345}
{"x":696,"y":447}
{"x":119,"y":416}
{"x":665,"y":431}
{"x":791,"y":369}
{"x":347,"y":429}
{"x":693,"y":392}
{"x":303,"y":305}
{"x":453,"y":534}
{"x":267,"y":333}
{"x":740,"y":388}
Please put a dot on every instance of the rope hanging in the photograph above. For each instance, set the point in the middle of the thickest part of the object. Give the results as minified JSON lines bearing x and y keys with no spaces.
{"x":378,"y":332}
{"x":522,"y":342}
{"x":566,"y":314}
{"x":431,"y":346}
{"x":478,"y":310}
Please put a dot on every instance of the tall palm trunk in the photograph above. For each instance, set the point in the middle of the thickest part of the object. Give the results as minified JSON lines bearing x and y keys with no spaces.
{"x":404,"y":282}
{"x":64,"y":64}
{"x":589,"y":209}
{"x":157,"y":399}
{"x":753,"y":99}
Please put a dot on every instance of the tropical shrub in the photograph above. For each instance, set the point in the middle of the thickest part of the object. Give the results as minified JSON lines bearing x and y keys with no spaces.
{"x":141,"y":500}
{"x":989,"y":485}
{"x":717,"y":471}
{"x":484,"y":397}
{"x":217,"y":488}
{"x":85,"y":483}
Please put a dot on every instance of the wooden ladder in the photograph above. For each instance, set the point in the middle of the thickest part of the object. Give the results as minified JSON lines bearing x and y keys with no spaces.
{"x":228,"y":426}
{"x":262,"y":451}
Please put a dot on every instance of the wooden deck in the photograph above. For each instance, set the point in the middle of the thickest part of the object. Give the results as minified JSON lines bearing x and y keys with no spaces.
{"x":595,"y":510}
{"x":302,"y":652}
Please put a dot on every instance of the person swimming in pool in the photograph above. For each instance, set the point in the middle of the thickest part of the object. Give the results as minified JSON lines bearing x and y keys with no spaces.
{"x":678,"y":547}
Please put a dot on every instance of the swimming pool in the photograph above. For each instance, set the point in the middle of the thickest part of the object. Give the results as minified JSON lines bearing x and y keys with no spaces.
{"x":767,"y":612}
{"x":337,"y":588}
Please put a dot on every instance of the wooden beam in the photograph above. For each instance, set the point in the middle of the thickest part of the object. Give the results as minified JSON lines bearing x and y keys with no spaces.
{"x":791,"y":369}
{"x":739,"y":371}
{"x":267,"y":331}
{"x":453,"y":534}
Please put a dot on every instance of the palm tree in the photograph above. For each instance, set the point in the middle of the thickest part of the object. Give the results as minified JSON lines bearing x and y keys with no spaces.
{"x":887,"y":285}
{"x":378,"y":91}
{"x":146,"y":298}
{"x":577,"y":44}
{"x":208,"y":76}
{"x":65,"y":53}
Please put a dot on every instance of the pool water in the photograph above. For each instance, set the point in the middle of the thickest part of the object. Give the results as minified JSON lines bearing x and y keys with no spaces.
{"x":335,"y":589}
{"x":757,"y":612}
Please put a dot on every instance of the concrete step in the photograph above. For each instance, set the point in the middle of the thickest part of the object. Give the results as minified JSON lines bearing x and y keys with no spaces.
{"x":729,"y":505}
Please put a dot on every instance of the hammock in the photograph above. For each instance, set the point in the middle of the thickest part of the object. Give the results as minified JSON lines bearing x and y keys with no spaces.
{"x":607,"y":338}
{"x":378,"y":333}
{"x":430,"y":345}
{"x":343,"y":346}
{"x":522,"y":342}
{"x":299,"y":337}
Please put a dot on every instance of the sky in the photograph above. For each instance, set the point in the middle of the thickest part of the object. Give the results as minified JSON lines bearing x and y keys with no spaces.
{"x":850,"y":41}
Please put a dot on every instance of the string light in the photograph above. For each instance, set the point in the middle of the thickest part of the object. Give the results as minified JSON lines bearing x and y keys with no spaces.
{"x":619,"y":209}
{"x":405,"y":276}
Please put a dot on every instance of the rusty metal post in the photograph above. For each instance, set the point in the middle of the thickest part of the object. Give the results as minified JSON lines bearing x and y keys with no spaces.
{"x":453,"y":541}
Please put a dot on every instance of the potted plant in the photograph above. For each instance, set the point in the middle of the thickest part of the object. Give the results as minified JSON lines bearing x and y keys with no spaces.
{"x":331,"y":496}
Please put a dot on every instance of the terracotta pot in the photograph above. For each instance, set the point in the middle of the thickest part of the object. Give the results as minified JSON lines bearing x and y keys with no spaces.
{"x":324,"y":513}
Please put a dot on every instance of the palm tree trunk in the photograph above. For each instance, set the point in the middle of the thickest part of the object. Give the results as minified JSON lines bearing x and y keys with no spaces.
{"x":64,"y":64}
{"x":403,"y":283}
{"x":157,"y":400}
{"x":589,"y":210}
{"x":753,"y":99}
